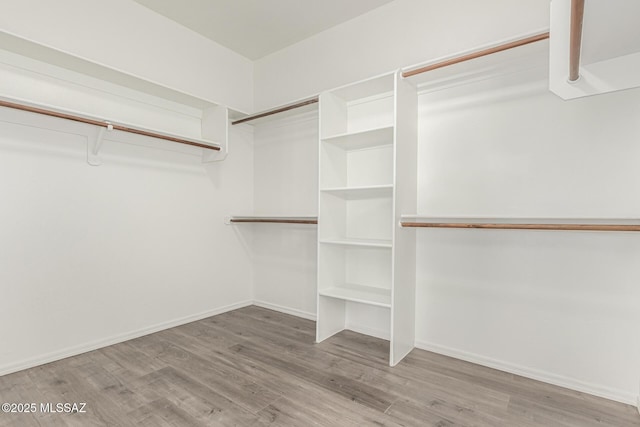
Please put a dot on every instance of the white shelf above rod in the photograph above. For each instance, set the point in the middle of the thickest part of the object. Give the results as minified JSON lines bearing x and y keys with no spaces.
{"x":550,"y":224}
{"x":311,"y":220}
{"x":475,"y":54}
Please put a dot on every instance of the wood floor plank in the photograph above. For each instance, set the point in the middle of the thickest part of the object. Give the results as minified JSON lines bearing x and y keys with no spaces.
{"x":205,"y":404}
{"x":59,"y":384}
{"x":411,"y":414}
{"x":285,"y":412}
{"x":257,"y":367}
{"x":259,"y":330}
{"x":324,"y":408}
{"x":235,"y":386}
{"x":163,"y":412}
{"x":439,"y":411}
{"x":339,"y":384}
{"x":112,"y":384}
{"x":293,"y":387}
{"x":13,"y":389}
{"x":212,"y":337}
{"x":129,"y":357}
{"x":17,"y":389}
{"x":384,"y":377}
{"x":552,"y":413}
{"x":261,"y":374}
{"x":278,"y":320}
{"x":301,"y":392}
{"x":358,"y":347}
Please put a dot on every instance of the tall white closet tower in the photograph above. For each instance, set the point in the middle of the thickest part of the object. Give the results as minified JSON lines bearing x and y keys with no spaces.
{"x":366,"y":261}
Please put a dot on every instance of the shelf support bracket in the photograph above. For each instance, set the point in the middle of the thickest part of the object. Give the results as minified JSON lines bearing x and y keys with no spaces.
{"x":93,"y":147}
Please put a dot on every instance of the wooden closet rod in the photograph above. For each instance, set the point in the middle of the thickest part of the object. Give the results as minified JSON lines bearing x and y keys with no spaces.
{"x":478,"y":54}
{"x":575,"y":43}
{"x":276,"y":221}
{"x":276,"y":111}
{"x":103,"y":124}
{"x":565,"y":227}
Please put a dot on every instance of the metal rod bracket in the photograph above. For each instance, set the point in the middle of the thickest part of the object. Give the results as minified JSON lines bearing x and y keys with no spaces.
{"x":93,"y":146}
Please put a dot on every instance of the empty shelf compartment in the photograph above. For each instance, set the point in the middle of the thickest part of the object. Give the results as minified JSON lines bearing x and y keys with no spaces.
{"x":363,"y":139}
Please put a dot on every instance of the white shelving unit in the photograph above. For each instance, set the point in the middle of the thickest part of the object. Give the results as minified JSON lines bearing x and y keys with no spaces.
{"x":366,"y":262}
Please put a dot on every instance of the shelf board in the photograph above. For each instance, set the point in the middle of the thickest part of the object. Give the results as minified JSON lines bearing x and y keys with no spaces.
{"x":51,"y":56}
{"x":370,"y":243}
{"x":522,"y":223}
{"x":359,"y":293}
{"x":363,"y":139}
{"x":273,"y":219}
{"x":100,"y":95}
{"x":366,"y":192}
{"x":475,"y":66}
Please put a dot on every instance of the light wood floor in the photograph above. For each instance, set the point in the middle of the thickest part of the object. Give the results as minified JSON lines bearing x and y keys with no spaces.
{"x":256,"y":367}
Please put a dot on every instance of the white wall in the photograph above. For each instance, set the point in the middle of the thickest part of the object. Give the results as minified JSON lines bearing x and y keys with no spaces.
{"x":559,"y":306}
{"x":396,"y":35}
{"x":94,"y":255}
{"x":125,"y":36}
{"x":285,"y":183}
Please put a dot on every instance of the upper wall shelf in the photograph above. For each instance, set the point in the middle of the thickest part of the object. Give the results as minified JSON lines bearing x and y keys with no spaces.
{"x":551,"y":224}
{"x":72,"y":63}
{"x":584,"y":45}
{"x":46,"y":80}
{"x":525,"y":52}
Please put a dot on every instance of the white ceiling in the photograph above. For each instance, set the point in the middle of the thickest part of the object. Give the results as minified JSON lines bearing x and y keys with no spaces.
{"x":256,"y":28}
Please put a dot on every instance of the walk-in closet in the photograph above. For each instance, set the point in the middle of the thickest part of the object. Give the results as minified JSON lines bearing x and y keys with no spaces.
{"x":302,"y":213}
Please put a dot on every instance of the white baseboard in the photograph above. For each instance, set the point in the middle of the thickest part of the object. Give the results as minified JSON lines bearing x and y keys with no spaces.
{"x":94,"y":345}
{"x":547,"y":377}
{"x":285,"y":310}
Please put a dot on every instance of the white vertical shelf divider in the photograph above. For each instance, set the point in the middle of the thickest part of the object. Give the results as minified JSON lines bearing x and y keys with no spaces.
{"x":404,"y":244}
{"x":366,"y":262}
